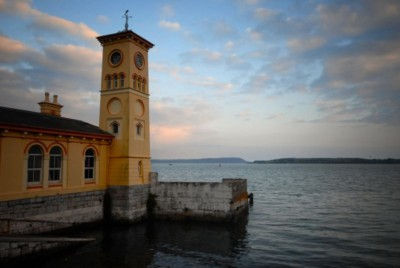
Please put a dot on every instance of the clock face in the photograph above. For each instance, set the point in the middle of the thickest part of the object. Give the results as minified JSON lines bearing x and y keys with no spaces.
{"x":139,"y":60}
{"x":115,"y":57}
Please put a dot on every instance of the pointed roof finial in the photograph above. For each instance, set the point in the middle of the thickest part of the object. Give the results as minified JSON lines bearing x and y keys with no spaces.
{"x":126,"y":19}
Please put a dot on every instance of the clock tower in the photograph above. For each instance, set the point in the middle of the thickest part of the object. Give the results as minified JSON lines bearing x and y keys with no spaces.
{"x":124,"y":106}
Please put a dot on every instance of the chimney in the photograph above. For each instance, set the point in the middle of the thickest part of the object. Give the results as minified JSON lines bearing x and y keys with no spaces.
{"x":50,"y":108}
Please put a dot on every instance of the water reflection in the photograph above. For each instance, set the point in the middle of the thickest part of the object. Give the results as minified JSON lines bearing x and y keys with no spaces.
{"x":154,"y":244}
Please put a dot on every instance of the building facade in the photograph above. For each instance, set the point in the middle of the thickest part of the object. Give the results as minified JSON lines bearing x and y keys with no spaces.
{"x":56,"y":172}
{"x":44,"y":154}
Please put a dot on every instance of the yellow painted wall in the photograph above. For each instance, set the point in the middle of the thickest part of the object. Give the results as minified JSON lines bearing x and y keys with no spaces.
{"x":13,"y":165}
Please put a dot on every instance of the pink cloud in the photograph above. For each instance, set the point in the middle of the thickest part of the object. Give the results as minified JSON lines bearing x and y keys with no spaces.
{"x":46,"y":21}
{"x":169,"y":134}
{"x":11,"y":50}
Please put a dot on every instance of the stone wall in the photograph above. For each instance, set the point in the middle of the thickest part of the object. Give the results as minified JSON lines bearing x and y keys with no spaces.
{"x":127,"y":203}
{"x":42,"y":214}
{"x":17,"y":246}
{"x":175,"y":200}
{"x":200,"y":200}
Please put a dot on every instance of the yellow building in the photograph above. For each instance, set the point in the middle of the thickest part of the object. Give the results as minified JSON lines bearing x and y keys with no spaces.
{"x":44,"y":154}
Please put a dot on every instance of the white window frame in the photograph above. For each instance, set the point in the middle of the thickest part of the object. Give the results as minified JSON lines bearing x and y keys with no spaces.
{"x":55,"y":169}
{"x":92,"y":168}
{"x":35,"y":169}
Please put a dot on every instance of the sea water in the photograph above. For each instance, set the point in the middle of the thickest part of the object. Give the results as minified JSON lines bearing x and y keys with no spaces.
{"x":304,"y":215}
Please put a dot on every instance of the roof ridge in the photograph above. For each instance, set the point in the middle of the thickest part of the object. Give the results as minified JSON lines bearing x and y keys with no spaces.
{"x":49,"y":115}
{"x":27,"y":118}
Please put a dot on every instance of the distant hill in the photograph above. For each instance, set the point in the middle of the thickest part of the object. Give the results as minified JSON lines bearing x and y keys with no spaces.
{"x":220,"y":160}
{"x":328,"y":161}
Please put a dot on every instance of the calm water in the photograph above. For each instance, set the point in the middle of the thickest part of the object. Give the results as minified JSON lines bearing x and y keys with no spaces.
{"x":304,"y":215}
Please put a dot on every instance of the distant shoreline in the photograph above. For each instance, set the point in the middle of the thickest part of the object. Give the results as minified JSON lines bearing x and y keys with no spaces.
{"x":328,"y":161}
{"x":238,"y":160}
{"x":218,"y":160}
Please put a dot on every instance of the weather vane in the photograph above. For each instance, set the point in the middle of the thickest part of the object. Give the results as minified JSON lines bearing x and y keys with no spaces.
{"x":126,"y":19}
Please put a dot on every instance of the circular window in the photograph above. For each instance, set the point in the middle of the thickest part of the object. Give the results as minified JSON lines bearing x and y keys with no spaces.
{"x":115,"y":58}
{"x":114,"y":106}
{"x":139,"y":60}
{"x":139,"y":108}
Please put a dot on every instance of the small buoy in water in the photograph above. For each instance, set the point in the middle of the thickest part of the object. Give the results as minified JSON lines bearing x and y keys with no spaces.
{"x":250,"y":196}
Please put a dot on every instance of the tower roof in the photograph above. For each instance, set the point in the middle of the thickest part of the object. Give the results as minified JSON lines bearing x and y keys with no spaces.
{"x":125,"y":35}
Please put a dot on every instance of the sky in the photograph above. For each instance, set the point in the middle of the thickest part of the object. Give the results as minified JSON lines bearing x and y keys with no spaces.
{"x":256,"y":79}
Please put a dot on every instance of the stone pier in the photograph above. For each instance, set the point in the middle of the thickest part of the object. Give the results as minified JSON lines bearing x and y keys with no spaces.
{"x":205,"y":201}
{"x":213,"y":201}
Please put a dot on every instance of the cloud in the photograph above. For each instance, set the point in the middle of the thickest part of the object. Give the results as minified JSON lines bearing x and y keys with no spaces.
{"x":223,"y":29}
{"x":12,"y":50}
{"x":251,"y":2}
{"x":43,"y":21}
{"x":167,"y":11}
{"x":238,"y":62}
{"x":257,"y":83}
{"x":305,"y":44}
{"x":245,"y":115}
{"x":369,"y":74}
{"x":103,"y":19}
{"x":169,"y":25}
{"x":211,"y":82}
{"x":274,"y":116}
{"x":337,"y":52}
{"x":68,"y":70}
{"x":358,"y":17}
{"x":167,"y":134}
{"x":254,"y":34}
{"x":207,"y":56}
{"x":186,"y":75}
{"x":264,"y":13}
{"x":16,"y":91}
{"x":339,"y":110}
{"x":176,"y":72}
{"x":186,"y":111}
{"x":179,"y":121}
{"x":229,"y":45}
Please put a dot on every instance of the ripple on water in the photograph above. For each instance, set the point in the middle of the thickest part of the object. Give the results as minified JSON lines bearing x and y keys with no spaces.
{"x":303,"y":216}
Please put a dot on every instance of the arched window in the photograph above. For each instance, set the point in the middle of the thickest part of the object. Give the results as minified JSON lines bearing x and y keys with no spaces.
{"x":140,"y":169}
{"x":139,"y":82}
{"x":35,"y":165}
{"x":144,"y":85}
{"x":121,"y":80}
{"x":115,"y":81}
{"x":89,"y":164}
{"x":139,"y":129}
{"x":134,"y":81}
{"x":115,"y":127}
{"x":108,"y":82}
{"x":55,"y":164}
